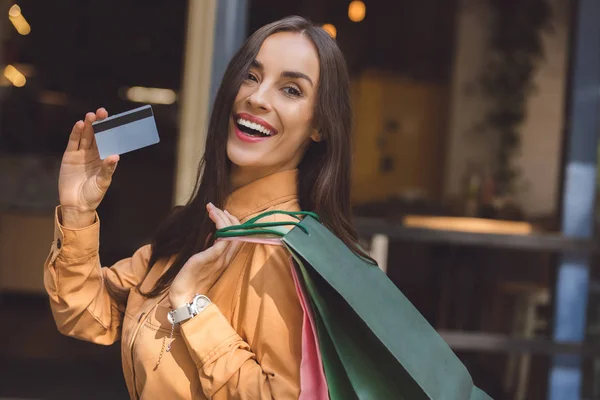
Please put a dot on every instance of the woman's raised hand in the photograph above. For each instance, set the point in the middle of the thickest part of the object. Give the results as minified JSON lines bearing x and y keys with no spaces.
{"x":84,"y":178}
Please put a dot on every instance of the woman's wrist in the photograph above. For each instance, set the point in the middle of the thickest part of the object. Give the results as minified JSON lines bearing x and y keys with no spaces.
{"x":175,"y":304}
{"x":181,"y":298}
{"x":180,"y":301}
{"x":76,"y":219}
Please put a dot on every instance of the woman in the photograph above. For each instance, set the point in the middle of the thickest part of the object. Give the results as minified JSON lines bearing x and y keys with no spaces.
{"x":278,"y":139}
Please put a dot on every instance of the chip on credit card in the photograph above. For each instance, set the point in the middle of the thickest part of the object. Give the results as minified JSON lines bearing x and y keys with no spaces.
{"x":125,"y":132}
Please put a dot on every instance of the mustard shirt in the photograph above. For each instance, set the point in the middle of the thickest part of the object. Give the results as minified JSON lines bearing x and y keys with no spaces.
{"x":246,"y":345}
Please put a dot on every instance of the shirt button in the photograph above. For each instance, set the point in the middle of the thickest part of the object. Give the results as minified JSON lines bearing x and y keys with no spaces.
{"x":58,"y":244}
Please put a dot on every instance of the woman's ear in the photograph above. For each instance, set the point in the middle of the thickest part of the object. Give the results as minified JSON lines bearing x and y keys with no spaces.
{"x":316,"y":136}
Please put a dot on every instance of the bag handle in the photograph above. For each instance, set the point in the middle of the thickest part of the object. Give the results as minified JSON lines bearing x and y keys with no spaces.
{"x":294,"y":214}
{"x":251,"y":227}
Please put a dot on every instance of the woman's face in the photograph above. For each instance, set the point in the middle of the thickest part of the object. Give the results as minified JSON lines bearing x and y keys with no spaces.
{"x":271,"y":122}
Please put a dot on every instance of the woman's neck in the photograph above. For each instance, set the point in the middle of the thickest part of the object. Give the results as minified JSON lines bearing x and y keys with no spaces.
{"x":242,"y":176}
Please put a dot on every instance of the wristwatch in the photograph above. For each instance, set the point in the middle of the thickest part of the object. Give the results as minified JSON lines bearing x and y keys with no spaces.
{"x":189,"y":310}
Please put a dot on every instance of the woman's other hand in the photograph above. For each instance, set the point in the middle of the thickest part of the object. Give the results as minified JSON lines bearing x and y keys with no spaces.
{"x":203,"y":269}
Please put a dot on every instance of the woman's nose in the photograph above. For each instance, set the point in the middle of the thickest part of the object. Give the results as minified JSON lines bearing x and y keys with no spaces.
{"x":259,"y":99}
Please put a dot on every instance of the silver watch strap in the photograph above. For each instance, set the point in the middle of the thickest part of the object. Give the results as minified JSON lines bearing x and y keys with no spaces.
{"x":189,"y":310}
{"x":181,"y":314}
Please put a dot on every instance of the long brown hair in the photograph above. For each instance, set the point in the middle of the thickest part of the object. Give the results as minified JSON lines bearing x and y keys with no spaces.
{"x":324,"y":172}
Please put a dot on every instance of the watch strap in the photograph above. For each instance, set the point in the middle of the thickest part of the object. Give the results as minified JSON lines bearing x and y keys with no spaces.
{"x":187,"y":310}
{"x":181,"y":314}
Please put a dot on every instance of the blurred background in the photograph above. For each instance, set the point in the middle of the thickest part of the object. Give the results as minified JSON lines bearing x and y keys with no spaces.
{"x":474,"y":183}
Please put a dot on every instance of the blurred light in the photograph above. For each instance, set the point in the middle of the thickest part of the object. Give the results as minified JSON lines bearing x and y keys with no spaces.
{"x":329,"y":28}
{"x":14,"y":76}
{"x":140,"y":94}
{"x":18,"y":20}
{"x":357,"y":11}
{"x":15,"y":11}
{"x":26,"y":69}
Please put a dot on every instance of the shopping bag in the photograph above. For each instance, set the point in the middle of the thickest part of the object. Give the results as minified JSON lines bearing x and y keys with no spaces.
{"x":374,"y":343}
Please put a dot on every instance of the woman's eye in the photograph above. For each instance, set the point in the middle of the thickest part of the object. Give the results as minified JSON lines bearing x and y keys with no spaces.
{"x":292,"y":91}
{"x":252,"y":77}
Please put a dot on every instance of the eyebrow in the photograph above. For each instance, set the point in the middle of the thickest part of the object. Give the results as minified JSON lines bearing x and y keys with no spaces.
{"x":285,"y":74}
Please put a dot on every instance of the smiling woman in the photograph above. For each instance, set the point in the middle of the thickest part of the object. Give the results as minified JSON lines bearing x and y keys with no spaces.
{"x":277,"y":98}
{"x":198,"y":318}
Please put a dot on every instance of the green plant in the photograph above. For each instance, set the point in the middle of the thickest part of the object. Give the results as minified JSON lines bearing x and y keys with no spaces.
{"x":516,"y":48}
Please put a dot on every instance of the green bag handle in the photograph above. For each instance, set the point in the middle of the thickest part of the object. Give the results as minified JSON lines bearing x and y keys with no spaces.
{"x":251,"y":227}
{"x":294,"y":214}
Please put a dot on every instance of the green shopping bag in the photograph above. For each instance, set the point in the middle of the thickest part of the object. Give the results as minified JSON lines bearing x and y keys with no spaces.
{"x":374,"y":343}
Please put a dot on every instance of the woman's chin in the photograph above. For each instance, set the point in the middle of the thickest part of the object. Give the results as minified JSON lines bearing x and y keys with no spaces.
{"x":244,"y":159}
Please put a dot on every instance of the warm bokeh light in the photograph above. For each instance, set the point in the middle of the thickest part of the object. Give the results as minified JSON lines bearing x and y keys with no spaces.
{"x":357,"y":11}
{"x":14,"y":76}
{"x":26,"y":69}
{"x":18,"y":20}
{"x":15,"y":11}
{"x":329,"y":28}
{"x":147,"y":95}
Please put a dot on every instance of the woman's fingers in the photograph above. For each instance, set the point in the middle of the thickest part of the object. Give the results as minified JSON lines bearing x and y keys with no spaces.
{"x":101,"y":114}
{"x":87,"y":136}
{"x":218,"y":216}
{"x":223,"y":219}
{"x":82,"y":134}
{"x":75,"y":136}
{"x":235,"y":244}
{"x":233,"y":220}
{"x":104,"y":177}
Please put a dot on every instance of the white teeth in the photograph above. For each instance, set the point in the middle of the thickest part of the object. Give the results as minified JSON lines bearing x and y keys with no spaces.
{"x":255,"y":126}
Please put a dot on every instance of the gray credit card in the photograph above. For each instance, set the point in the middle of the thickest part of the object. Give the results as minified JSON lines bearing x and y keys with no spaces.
{"x":125,"y":132}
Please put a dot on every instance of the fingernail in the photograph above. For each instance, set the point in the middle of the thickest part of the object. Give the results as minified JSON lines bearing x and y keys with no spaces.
{"x":210,"y":206}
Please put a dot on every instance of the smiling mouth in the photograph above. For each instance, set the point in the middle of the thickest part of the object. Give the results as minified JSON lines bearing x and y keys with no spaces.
{"x":253,"y":129}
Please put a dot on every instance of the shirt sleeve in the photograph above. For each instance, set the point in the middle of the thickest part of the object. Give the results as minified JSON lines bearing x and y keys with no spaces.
{"x":76,"y":283}
{"x":261,"y":360}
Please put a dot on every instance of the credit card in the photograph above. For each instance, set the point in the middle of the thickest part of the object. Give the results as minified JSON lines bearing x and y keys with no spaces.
{"x":125,"y":132}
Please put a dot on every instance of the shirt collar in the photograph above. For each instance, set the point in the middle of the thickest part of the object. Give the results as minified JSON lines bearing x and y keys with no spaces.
{"x":263,"y":193}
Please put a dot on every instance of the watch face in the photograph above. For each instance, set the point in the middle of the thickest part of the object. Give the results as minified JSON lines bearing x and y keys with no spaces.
{"x":201,"y":302}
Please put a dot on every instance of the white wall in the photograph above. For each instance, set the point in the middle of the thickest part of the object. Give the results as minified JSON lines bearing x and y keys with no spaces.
{"x":466,"y":106}
{"x":541,"y":132}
